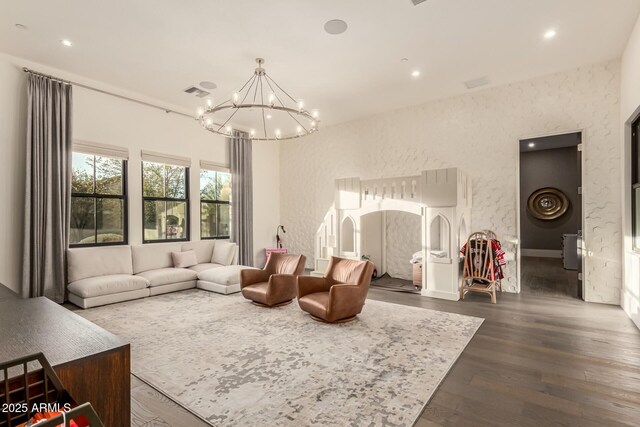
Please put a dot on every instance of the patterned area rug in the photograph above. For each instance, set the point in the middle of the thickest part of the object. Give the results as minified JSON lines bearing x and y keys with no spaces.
{"x":235,"y":364}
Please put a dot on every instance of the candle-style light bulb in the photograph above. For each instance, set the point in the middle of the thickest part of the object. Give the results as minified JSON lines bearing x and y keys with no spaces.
{"x":277,"y":133}
{"x":315,"y":114}
{"x":272,"y":99}
{"x":299,"y":130}
{"x":252,"y":133}
{"x":235,"y":97}
{"x":200,"y":112}
{"x":301,"y":105}
{"x":209,"y":122}
{"x":229,"y":129}
{"x":209,"y":103}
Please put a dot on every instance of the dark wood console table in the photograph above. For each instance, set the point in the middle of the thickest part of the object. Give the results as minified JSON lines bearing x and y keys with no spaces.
{"x":92,"y":363}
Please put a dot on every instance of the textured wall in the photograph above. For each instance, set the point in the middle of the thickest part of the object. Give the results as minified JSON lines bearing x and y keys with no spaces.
{"x":404,"y":238}
{"x":479,"y":133}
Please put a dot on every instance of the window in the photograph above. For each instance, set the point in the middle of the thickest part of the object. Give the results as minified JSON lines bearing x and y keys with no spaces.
{"x":215,"y":204}
{"x":635,"y":183}
{"x":165,"y":199}
{"x":98,"y":201}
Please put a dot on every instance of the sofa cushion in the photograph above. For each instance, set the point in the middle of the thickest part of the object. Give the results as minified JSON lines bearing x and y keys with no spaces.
{"x":184,"y":259}
{"x":226,"y":275}
{"x":204,"y":266}
{"x":107,"y":285}
{"x":90,"y":262}
{"x":165,"y":276}
{"x":202,"y":248}
{"x":223,"y":252}
{"x":153,"y":256}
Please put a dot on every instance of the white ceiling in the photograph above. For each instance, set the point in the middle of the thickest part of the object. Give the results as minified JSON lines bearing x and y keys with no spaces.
{"x":159,"y":47}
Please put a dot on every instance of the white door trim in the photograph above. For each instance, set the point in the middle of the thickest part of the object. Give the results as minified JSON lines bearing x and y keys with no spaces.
{"x":585,"y":190}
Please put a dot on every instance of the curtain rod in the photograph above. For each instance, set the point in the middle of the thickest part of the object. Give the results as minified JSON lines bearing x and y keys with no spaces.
{"x":166,"y":110}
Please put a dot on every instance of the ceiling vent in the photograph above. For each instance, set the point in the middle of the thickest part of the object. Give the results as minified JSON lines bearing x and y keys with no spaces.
{"x":197,"y":92}
{"x":472,"y":84}
{"x":417,"y":2}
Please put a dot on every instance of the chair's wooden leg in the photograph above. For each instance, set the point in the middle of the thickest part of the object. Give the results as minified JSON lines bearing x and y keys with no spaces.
{"x":493,"y":296}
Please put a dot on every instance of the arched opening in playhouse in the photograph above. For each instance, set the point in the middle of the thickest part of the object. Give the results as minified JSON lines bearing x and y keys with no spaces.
{"x":392,"y":241}
{"x":398,"y":223}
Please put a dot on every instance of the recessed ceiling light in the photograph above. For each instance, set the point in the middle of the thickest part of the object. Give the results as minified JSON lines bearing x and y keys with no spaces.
{"x":404,"y":59}
{"x":21,"y":26}
{"x":415,"y":73}
{"x":208,"y":85}
{"x":532,"y":144}
{"x":335,"y":26}
{"x":66,"y":42}
{"x":550,"y":34}
{"x":268,"y":116}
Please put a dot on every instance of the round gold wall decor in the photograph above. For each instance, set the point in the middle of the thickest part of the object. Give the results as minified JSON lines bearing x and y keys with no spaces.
{"x":547,"y":204}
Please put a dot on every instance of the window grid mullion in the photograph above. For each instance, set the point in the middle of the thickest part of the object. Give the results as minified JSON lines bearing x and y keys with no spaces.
{"x":95,"y":196}
{"x":215,"y":205}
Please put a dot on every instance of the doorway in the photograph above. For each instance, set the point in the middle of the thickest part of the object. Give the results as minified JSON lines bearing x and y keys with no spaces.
{"x":391,"y":240}
{"x":550,"y":215}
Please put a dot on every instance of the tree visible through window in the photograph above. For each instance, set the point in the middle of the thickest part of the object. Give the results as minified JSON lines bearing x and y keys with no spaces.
{"x":165,"y":202}
{"x":215,"y":204}
{"x":98,"y":201}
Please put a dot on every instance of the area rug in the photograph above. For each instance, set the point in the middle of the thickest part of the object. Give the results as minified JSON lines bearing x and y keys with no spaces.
{"x":236,"y":364}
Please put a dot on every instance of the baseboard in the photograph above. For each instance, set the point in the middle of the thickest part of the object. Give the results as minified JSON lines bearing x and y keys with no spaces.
{"x":631,"y":306}
{"x":542,"y":253}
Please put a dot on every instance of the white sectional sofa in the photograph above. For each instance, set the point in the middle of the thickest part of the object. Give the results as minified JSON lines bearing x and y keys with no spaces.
{"x":106,"y":275}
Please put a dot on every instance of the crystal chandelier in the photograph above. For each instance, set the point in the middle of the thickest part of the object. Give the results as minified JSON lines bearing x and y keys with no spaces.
{"x":268,"y":111}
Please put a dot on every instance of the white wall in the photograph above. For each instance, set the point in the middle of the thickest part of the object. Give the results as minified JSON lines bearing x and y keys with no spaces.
{"x":13,"y":102}
{"x":266,"y":198}
{"x":478,"y":133}
{"x":629,"y":105}
{"x":110,"y":120}
{"x":404,"y":238}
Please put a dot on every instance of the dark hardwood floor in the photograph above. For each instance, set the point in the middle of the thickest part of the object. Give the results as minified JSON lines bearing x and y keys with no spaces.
{"x":546,"y":276}
{"x":150,"y":408}
{"x":537,"y":360}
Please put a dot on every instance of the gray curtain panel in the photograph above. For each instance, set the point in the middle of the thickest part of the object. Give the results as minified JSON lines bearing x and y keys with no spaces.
{"x":48,"y":187}
{"x":242,"y":196}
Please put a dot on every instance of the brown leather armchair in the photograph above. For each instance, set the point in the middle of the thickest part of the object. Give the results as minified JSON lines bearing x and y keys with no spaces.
{"x":339,"y":296}
{"x":275,"y":285}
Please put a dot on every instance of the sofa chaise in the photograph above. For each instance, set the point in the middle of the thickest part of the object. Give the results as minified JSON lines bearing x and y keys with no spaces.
{"x":106,"y":275}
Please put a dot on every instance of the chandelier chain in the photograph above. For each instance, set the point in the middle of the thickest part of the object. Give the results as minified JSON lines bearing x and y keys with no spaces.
{"x":280,"y":101}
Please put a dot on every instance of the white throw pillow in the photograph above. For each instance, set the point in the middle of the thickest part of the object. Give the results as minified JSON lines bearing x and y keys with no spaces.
{"x":184,"y":259}
{"x":223,"y":252}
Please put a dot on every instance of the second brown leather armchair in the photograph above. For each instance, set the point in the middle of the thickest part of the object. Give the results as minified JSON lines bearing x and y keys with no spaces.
{"x":340,"y":295}
{"x":275,"y":285}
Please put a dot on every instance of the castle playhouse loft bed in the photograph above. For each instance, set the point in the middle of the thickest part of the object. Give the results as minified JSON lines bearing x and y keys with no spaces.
{"x":442,"y":199}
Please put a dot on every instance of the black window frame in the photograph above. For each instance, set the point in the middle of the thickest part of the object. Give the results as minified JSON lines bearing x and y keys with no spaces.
{"x":187,"y":213}
{"x":635,"y":179}
{"x":125,"y":206}
{"x":214,"y":202}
